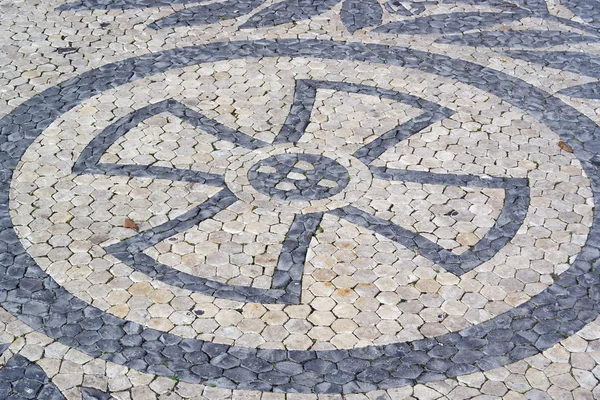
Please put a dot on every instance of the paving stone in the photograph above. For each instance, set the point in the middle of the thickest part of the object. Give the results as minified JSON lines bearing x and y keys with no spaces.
{"x":321,"y":198}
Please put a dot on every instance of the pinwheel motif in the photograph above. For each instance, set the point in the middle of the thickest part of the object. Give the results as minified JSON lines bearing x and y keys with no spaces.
{"x":284,"y":173}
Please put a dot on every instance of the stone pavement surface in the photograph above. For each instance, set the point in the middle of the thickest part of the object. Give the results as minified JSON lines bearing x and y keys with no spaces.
{"x":299,"y":199}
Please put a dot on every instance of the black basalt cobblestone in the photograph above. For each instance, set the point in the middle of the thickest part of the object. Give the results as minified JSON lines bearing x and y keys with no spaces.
{"x":22,"y":379}
{"x":310,"y":187}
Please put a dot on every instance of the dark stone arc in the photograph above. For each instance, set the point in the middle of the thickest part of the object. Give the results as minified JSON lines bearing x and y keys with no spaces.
{"x":573,"y":300}
{"x":290,"y":266}
{"x":304,"y":99}
{"x":586,"y":91}
{"x":120,"y":4}
{"x":514,"y":211}
{"x":287,"y":279}
{"x":299,"y":116}
{"x":206,"y":14}
{"x":89,"y":160}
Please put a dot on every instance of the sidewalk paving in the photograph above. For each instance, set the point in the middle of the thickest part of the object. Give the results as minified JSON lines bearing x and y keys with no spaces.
{"x":299,"y":199}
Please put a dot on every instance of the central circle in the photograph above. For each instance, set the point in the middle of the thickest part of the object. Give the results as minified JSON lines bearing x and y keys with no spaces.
{"x":298,"y":177}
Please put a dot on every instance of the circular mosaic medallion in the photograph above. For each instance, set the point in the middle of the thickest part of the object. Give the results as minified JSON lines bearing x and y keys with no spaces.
{"x":275,"y":227}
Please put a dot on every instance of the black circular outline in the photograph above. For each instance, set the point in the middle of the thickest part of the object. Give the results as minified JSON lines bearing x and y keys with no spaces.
{"x":36,"y":299}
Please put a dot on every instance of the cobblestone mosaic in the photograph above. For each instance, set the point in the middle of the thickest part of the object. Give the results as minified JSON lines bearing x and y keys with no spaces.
{"x":299,"y":199}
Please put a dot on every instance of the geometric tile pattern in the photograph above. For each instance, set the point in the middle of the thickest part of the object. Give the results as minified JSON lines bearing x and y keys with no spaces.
{"x":241,"y":197}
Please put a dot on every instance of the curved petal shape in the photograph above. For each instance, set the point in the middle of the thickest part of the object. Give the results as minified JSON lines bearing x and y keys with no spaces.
{"x":449,"y":23}
{"x":517,"y":39}
{"x":572,"y":61}
{"x":207,"y":14}
{"x":587,"y":91}
{"x":289,"y":11}
{"x":360,"y":14}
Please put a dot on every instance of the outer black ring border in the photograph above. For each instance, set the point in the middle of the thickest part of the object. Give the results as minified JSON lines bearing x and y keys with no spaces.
{"x":37,"y":300}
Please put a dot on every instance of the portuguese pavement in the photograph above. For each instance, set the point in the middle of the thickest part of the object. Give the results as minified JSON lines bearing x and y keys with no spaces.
{"x":299,"y":199}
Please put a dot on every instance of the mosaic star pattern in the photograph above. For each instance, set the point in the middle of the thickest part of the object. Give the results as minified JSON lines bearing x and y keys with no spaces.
{"x":299,"y":200}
